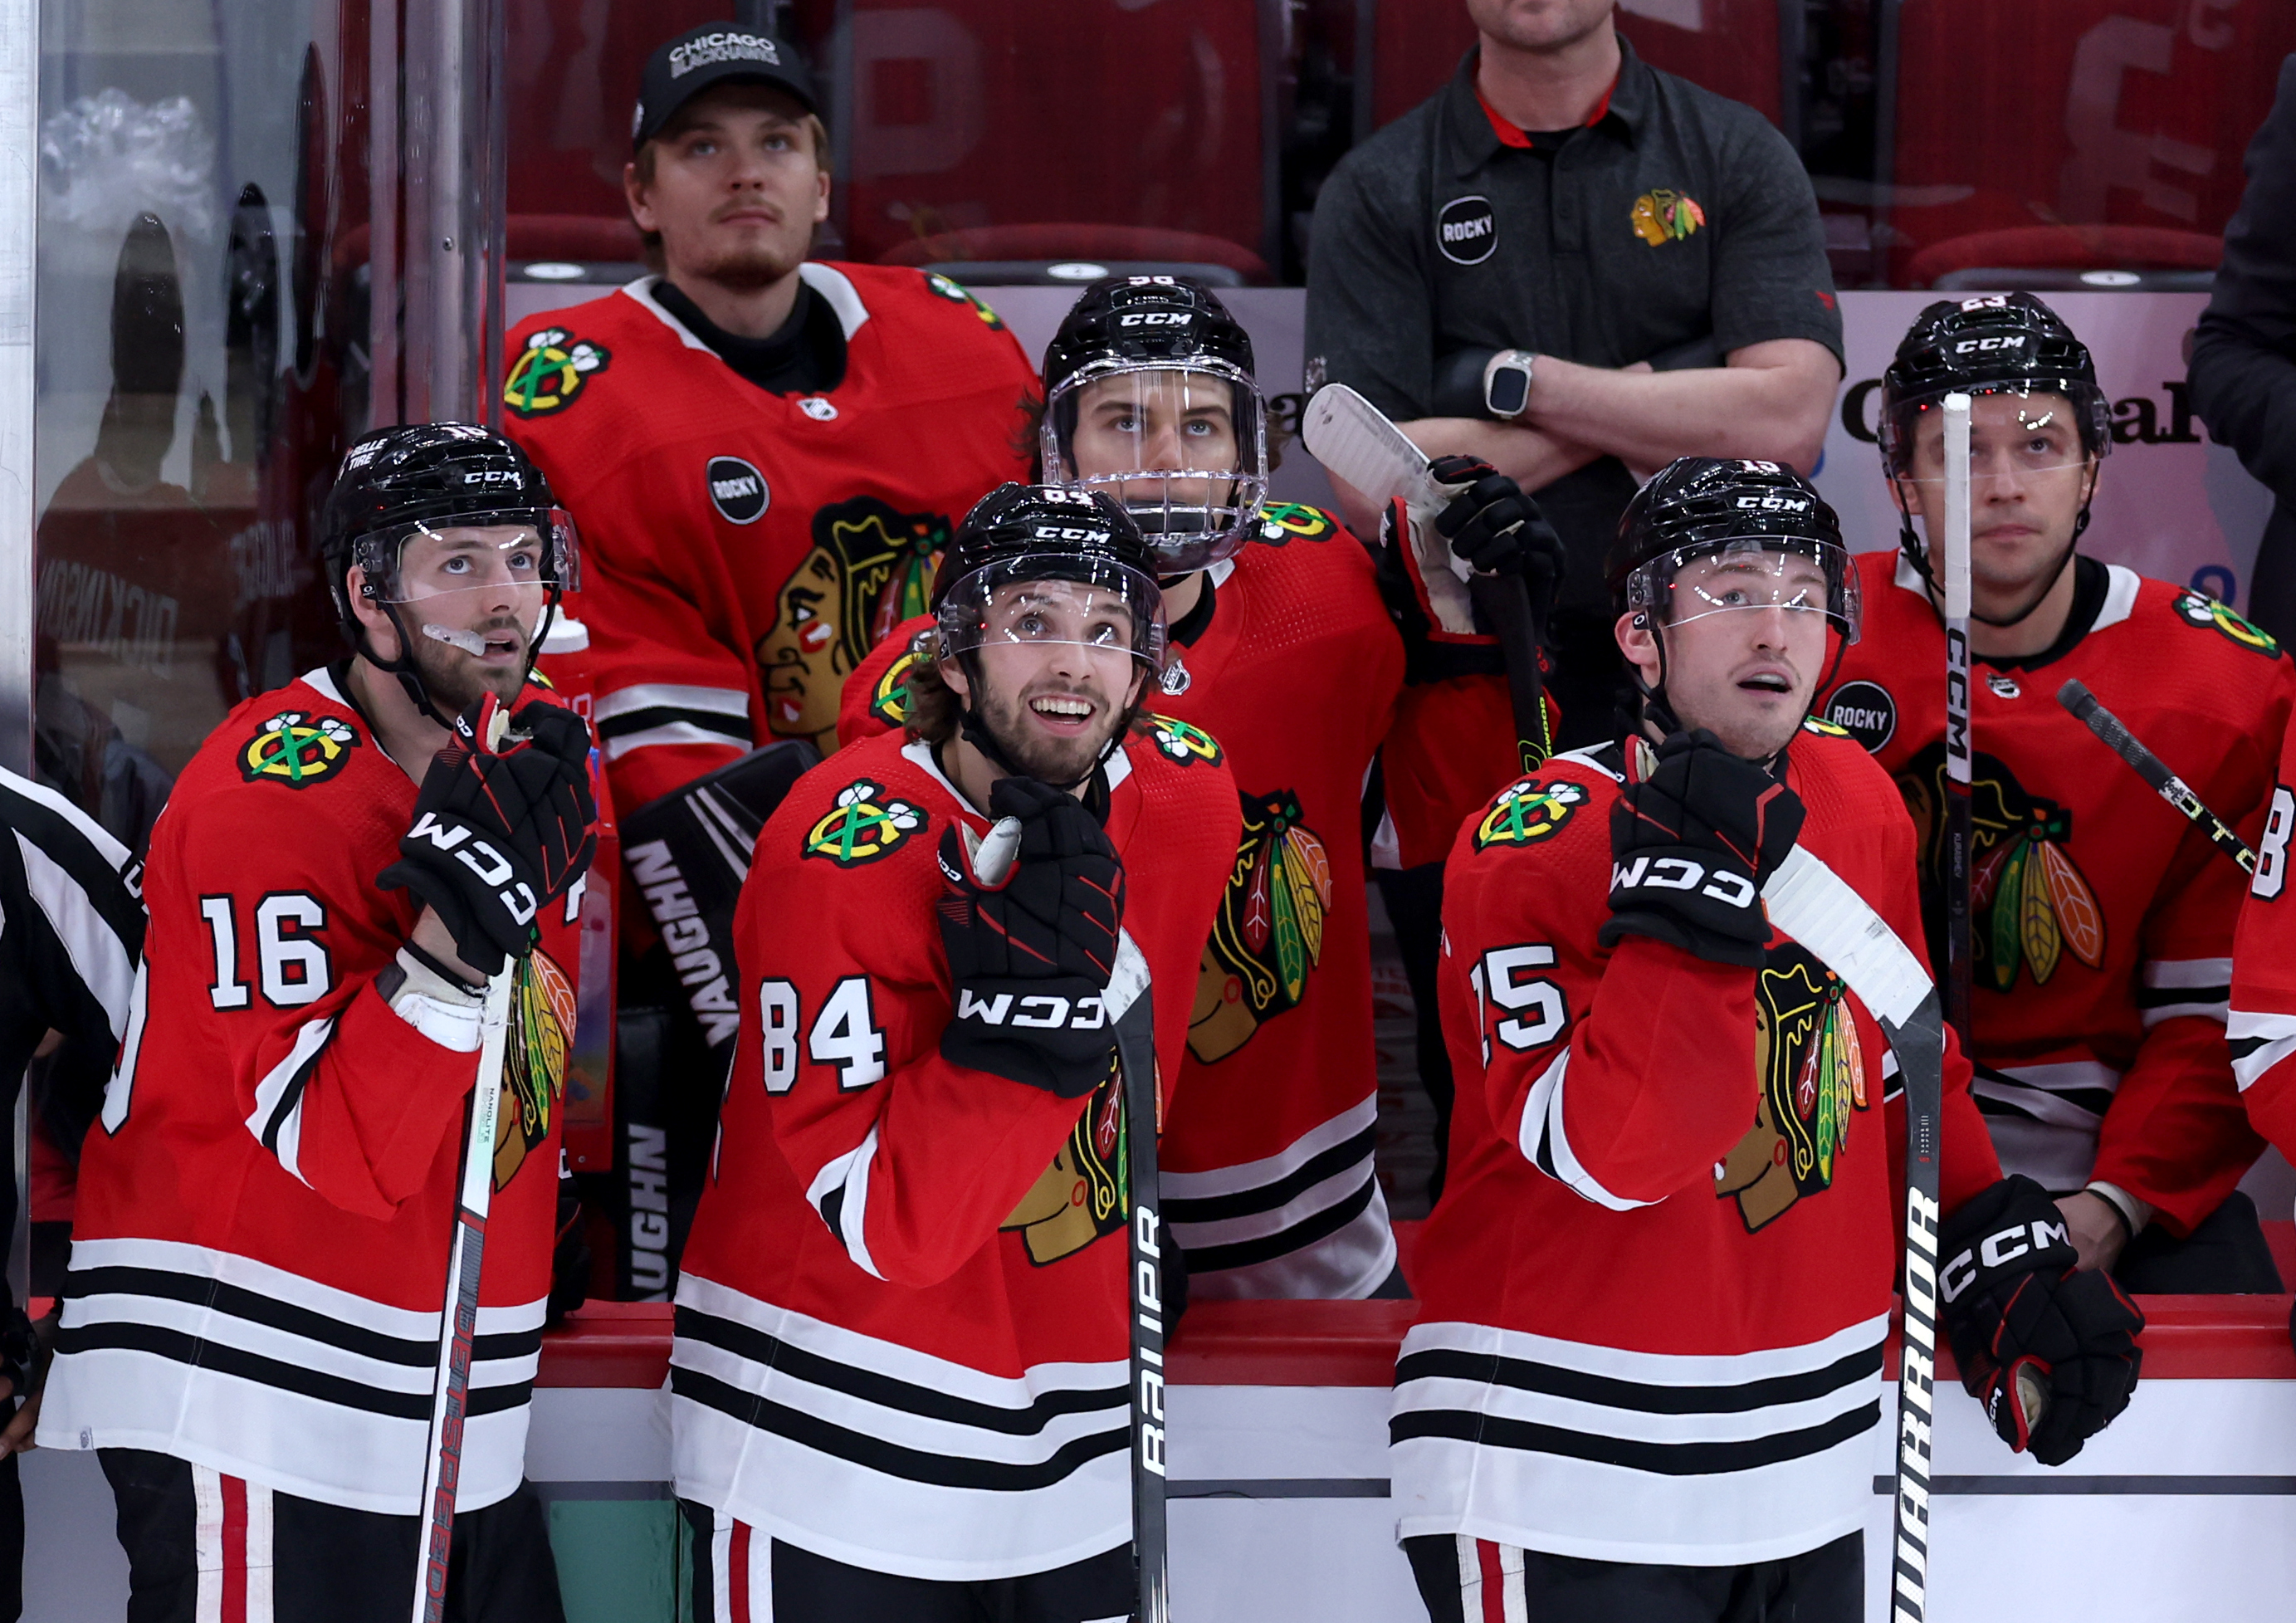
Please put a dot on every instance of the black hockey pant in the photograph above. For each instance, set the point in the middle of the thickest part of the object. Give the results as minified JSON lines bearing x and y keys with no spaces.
{"x":1472,"y":1580}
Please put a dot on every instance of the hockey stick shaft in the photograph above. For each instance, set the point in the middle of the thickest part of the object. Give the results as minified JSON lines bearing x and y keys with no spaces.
{"x":1954,"y":579}
{"x":1504,"y":601}
{"x":2086,"y":708}
{"x":466,"y":1252}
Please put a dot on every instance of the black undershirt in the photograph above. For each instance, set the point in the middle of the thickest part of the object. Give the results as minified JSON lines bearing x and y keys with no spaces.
{"x":2092,"y":581}
{"x":805,"y":355}
{"x":1196,"y":621}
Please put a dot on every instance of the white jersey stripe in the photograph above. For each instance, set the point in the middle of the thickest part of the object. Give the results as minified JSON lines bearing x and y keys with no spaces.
{"x":207,"y":1543}
{"x":1555,"y":1144}
{"x":674,"y":733}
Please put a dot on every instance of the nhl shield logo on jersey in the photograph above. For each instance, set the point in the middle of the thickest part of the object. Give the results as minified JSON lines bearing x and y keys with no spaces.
{"x":1813,"y":1075}
{"x":1183,"y":742}
{"x":533,"y":1070}
{"x":298,"y":749}
{"x":867,"y":825}
{"x":2199,"y":609}
{"x":1283,"y":521}
{"x":1269,"y":933}
{"x":1085,"y":1192}
{"x":1528,"y":812}
{"x":551,"y":371}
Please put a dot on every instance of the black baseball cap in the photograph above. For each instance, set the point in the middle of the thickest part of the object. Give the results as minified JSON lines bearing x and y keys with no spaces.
{"x":682,"y":67}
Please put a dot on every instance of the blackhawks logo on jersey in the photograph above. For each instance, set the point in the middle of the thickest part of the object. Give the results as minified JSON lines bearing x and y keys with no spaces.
{"x":297,"y":748}
{"x":867,"y":825}
{"x":956,"y":292}
{"x":1283,"y":521}
{"x":551,"y":371}
{"x":1269,"y":933}
{"x":1528,"y":812}
{"x":1087,"y":1192}
{"x":1183,"y":742}
{"x":888,"y":701}
{"x":2030,"y":903}
{"x":2199,"y":609}
{"x":1812,"y":1074}
{"x":534,"y":1069}
{"x":870,"y":567}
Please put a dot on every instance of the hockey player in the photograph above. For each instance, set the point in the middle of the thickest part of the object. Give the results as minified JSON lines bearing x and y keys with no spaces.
{"x":1280,"y":649}
{"x":1648,"y":1378}
{"x":2101,"y":922}
{"x":251,"y":1322}
{"x":765,"y":454}
{"x":899,"y":1390}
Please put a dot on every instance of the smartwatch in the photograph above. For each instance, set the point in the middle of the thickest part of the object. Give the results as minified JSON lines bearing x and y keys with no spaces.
{"x":1506,"y":384}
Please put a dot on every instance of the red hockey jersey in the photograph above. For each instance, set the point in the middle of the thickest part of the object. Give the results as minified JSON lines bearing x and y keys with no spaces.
{"x":259,"y":1251}
{"x":2103,"y":921}
{"x":1659,"y":1281}
{"x":2262,"y":1030}
{"x":901,"y":1325}
{"x":1267,"y":1159}
{"x":743,"y":550}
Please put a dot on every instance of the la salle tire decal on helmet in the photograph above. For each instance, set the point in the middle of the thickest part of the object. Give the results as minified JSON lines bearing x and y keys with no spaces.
{"x":737,"y":490}
{"x":1865,"y":711}
{"x":1467,"y":230}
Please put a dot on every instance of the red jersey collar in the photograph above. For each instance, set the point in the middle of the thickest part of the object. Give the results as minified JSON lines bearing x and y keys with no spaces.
{"x":1510,"y":135}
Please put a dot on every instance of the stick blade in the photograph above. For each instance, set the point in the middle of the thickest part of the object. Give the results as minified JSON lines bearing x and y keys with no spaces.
{"x":1357,"y":443}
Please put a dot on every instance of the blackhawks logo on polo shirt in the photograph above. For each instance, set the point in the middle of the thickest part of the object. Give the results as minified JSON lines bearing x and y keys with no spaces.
{"x":297,"y":748}
{"x":553,"y":368}
{"x":1662,"y":215}
{"x":866,"y":824}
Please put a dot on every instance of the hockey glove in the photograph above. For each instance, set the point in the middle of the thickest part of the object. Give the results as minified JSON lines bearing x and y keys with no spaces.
{"x":497,"y":837}
{"x":1498,"y":530}
{"x":1690,"y":847}
{"x":2050,"y":1351}
{"x":1028,"y":959}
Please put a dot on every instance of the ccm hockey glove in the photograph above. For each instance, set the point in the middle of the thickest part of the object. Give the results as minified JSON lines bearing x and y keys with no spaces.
{"x":1029,"y":958}
{"x":1498,"y":530}
{"x":1690,"y":847}
{"x":498,"y":836}
{"x":2050,"y":1351}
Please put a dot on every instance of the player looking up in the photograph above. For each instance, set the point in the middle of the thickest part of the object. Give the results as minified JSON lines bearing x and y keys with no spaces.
{"x":250,"y":1327}
{"x":2101,"y":922}
{"x":1648,"y":1375}
{"x":899,"y":1390}
{"x":1280,"y":649}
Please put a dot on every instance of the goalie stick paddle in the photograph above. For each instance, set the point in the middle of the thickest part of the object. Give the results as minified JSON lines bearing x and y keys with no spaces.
{"x":1811,"y":902}
{"x":1128,"y":1006}
{"x":1953,"y":578}
{"x":466,"y":1245}
{"x":2075,"y":696}
{"x":1359,"y":446}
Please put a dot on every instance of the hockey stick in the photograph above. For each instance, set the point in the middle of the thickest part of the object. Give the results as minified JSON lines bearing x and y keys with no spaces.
{"x":466,"y":1246}
{"x":2086,"y":709}
{"x":1809,"y":902}
{"x":1360,"y":448}
{"x":1128,"y":1007}
{"x":1953,"y":544}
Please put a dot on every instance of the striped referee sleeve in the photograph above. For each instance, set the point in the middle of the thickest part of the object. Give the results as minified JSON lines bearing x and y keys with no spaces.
{"x":76,"y":882}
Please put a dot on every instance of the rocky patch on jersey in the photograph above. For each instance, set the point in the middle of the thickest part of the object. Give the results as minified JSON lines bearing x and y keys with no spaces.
{"x":1268,"y":934}
{"x":2030,"y":903}
{"x":1528,"y":812}
{"x":1283,"y":521}
{"x":1813,"y":1073}
{"x":553,"y":369}
{"x":956,"y":292}
{"x":867,"y":825}
{"x":888,"y":701}
{"x":737,"y":490}
{"x":1183,"y":742}
{"x":1087,"y":1191}
{"x":2199,"y":609}
{"x":297,"y":748}
{"x":534,"y":1068}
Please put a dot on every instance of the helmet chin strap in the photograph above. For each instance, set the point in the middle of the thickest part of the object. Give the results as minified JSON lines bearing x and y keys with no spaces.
{"x":409,"y":678}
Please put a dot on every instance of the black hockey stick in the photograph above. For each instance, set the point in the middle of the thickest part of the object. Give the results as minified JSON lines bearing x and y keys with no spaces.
{"x":2086,"y":709}
{"x":466,"y":1247}
{"x":1130,"y":1010}
{"x":1503,"y":601}
{"x":1954,"y":536}
{"x":1809,"y":902}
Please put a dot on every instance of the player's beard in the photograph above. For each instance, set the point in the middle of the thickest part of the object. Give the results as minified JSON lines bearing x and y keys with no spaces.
{"x":1054,"y":760}
{"x":754,"y":264}
{"x":455,"y":681}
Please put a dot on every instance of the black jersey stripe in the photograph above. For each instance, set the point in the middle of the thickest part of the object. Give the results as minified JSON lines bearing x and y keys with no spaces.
{"x":890,"y":1459}
{"x":70,"y":850}
{"x":1268,"y":1197}
{"x":1610,"y":1392}
{"x":887,"y":1391}
{"x":1244,"y":1253}
{"x":2162,"y":998}
{"x":202,"y":1353}
{"x":1697,"y":1459}
{"x":621,"y":726}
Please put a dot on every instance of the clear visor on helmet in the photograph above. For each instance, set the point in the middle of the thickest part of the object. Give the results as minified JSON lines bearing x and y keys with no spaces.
{"x":1056,"y":599}
{"x":513,"y":550}
{"x":1183,"y":445}
{"x":2015,"y":430}
{"x":1787,"y":574}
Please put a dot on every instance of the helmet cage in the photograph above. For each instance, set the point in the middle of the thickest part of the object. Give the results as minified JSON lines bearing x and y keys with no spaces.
{"x":1191,"y":518}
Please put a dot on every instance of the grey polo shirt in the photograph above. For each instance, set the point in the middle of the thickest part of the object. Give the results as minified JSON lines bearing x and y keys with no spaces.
{"x":1677,"y":215}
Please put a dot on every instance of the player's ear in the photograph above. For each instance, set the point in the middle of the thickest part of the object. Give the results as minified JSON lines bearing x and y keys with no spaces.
{"x":820,"y":195}
{"x":953,"y":677}
{"x":381,"y":635}
{"x":1638,"y":642}
{"x":634,"y":191}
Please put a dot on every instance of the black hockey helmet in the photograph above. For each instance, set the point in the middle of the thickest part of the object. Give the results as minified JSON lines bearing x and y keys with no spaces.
{"x":2002,"y":343}
{"x":1027,"y":533}
{"x":1755,"y":513}
{"x":419,"y":478}
{"x":1171,"y":325}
